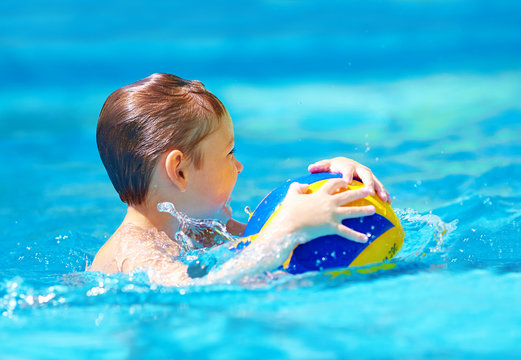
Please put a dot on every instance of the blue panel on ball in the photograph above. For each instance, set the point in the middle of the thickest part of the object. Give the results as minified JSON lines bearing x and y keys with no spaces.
{"x":268,"y":205}
{"x":333,"y":251}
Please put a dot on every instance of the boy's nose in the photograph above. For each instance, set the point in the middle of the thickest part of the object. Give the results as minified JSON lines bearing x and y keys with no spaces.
{"x":239,"y":166}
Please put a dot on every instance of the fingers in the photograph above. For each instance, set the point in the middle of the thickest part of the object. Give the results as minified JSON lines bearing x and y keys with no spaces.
{"x":381,"y":192}
{"x":347,"y":170}
{"x":333,"y":185}
{"x":337,"y":166}
{"x":319,"y":166}
{"x":346,"y":197}
{"x":350,"y":234}
{"x":373,"y":184}
{"x":347,"y":174}
{"x":297,"y":188}
{"x":349,"y":212}
{"x":367,"y":178}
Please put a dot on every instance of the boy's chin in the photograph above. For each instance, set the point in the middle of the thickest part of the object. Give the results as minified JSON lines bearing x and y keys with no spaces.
{"x":219,"y":215}
{"x":223,"y":214}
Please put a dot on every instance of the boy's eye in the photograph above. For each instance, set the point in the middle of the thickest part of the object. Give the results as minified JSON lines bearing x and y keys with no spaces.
{"x":232,"y":151}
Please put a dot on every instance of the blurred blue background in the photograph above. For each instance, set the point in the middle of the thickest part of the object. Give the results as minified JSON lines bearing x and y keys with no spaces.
{"x":427,"y":93}
{"x":60,"y":58}
{"x":379,"y":81}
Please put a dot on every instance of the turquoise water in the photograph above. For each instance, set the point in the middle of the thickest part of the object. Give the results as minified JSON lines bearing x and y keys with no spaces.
{"x":425,"y":93}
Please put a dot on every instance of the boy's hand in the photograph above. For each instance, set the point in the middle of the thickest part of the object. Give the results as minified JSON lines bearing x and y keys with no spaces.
{"x":350,"y":168}
{"x":234,"y":227}
{"x":322,"y":212}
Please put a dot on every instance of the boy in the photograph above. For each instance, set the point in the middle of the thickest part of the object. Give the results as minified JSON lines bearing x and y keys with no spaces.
{"x":167,"y":139}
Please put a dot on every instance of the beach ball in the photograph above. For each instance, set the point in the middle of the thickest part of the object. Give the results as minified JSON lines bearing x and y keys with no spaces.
{"x":383,"y":229}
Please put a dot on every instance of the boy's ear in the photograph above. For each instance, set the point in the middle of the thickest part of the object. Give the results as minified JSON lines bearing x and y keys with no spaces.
{"x":176,"y":166}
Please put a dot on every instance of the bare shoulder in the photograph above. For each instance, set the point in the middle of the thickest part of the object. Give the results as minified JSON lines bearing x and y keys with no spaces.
{"x":105,"y":259}
{"x":132,"y":248}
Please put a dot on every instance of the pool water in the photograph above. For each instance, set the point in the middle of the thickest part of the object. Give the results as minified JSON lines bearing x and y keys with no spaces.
{"x":427,"y":94}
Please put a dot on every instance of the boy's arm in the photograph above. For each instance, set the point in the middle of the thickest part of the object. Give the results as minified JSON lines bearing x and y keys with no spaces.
{"x":349,"y":169}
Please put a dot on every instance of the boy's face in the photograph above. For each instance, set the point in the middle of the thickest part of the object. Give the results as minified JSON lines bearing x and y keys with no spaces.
{"x":212,"y":184}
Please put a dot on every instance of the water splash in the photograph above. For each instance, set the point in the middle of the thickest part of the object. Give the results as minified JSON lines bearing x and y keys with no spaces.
{"x":16,"y":296}
{"x":198,"y":239}
{"x":425,"y":235}
{"x":193,"y":233}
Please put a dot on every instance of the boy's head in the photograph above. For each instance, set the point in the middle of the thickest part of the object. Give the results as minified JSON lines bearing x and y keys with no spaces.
{"x":143,"y":120}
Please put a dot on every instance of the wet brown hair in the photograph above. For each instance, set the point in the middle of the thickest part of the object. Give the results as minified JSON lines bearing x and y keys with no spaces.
{"x":143,"y":120}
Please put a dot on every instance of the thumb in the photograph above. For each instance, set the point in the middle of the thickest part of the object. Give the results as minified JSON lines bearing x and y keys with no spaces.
{"x":297,"y":188}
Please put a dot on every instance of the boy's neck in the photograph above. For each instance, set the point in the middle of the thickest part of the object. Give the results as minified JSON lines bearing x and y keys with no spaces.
{"x":142,"y":217}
